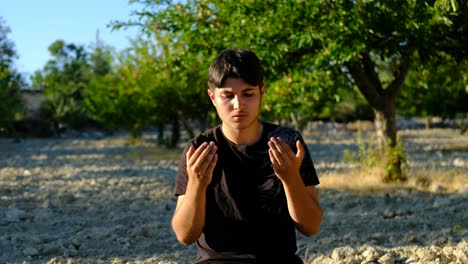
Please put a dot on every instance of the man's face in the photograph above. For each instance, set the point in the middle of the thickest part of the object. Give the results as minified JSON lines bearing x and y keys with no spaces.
{"x":237,"y":103}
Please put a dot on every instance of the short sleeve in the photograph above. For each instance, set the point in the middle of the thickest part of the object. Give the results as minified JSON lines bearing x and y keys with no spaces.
{"x":182,"y":176}
{"x":307,"y":169}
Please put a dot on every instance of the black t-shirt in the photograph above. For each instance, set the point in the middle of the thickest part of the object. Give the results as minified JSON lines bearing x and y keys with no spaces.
{"x":247,"y":218}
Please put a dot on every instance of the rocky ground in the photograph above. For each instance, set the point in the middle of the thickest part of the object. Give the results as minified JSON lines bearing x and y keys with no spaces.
{"x":94,"y":199}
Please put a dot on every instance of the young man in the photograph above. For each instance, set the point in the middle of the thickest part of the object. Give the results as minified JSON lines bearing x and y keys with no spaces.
{"x":245,"y":185}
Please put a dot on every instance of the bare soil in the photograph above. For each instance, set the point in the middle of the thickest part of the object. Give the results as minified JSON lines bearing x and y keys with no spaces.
{"x":93,"y":199}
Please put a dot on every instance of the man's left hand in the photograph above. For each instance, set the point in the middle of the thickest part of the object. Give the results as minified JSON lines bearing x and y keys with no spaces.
{"x":285,"y":162}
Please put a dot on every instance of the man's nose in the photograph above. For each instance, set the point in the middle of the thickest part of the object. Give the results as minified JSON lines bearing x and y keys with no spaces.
{"x":237,"y":103}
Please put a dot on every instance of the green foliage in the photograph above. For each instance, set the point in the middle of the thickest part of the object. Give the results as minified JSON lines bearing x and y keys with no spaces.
{"x":438,"y":89}
{"x":299,"y":39}
{"x":141,"y":91}
{"x":371,"y":42}
{"x":302,"y":96}
{"x":367,"y":155}
{"x":370,"y":156}
{"x":10,"y":81}
{"x":64,"y":78}
{"x":395,"y":160}
{"x":457,"y":228}
{"x":120,"y":99}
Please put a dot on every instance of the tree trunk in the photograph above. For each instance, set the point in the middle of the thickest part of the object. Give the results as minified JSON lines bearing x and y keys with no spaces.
{"x":160,"y":139}
{"x":428,"y":122}
{"x":383,"y":101}
{"x":188,"y":128}
{"x":385,"y":125}
{"x":294,"y":121}
{"x":389,"y":148}
{"x":175,"y":131}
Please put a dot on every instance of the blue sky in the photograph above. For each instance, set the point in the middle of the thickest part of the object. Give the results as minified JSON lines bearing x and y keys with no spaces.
{"x":35,"y":24}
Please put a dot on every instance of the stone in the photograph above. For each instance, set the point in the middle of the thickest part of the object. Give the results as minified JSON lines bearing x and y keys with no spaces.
{"x":66,"y":199}
{"x":56,"y":260}
{"x":425,"y":254}
{"x":52,"y":249}
{"x":326,"y":241}
{"x":41,"y":214}
{"x":463,"y":191}
{"x":413,"y":239}
{"x":135,"y":206}
{"x":462,"y":256}
{"x":70,"y":253}
{"x":388,"y":258}
{"x":323,"y":260}
{"x":441,"y":202}
{"x":371,"y":254}
{"x":16,"y":215}
{"x":343,"y":252}
{"x":459,"y":162}
{"x":448,"y":250}
{"x":388,"y":213}
{"x":378,"y":237}
{"x":30,"y":251}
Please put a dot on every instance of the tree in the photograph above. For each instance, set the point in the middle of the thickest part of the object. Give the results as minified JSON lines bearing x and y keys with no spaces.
{"x":63,"y":79}
{"x":185,"y":75}
{"x":363,"y":38}
{"x":10,"y":81}
{"x":439,"y":89}
{"x":136,"y":93}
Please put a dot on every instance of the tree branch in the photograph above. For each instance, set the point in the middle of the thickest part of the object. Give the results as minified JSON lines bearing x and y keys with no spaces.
{"x":367,"y":87}
{"x":369,"y":68}
{"x":394,"y":88}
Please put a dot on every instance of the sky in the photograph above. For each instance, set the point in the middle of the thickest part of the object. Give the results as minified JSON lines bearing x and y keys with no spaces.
{"x":35,"y":24}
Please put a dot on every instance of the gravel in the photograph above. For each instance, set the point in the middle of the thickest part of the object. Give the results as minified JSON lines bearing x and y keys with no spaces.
{"x":96,"y":199}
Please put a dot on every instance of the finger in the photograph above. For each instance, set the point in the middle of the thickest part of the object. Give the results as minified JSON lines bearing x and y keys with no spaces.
{"x":212,"y":165}
{"x":286,"y":150}
{"x":276,"y":154}
{"x":274,"y":162}
{"x":197,"y":153}
{"x":189,"y":153}
{"x":277,"y":143}
{"x":201,"y":164}
{"x":300,"y":150}
{"x":205,"y":160}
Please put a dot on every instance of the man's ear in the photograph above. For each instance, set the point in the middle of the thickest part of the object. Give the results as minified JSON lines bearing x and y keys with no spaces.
{"x":263,"y":89}
{"x":212,"y":96}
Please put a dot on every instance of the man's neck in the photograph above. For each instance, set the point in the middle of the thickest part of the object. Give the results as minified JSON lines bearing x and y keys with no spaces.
{"x":246,"y":136}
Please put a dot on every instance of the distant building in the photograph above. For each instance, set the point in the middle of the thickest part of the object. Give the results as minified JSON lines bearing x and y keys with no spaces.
{"x":32,"y":99}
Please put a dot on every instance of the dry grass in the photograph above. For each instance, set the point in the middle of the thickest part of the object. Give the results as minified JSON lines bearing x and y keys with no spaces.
{"x":371,"y":181}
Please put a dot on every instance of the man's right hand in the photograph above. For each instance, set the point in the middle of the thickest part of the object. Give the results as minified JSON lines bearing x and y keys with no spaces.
{"x":201,"y":163}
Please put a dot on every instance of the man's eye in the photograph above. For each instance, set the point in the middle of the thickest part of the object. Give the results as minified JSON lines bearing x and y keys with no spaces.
{"x":248,"y":94}
{"x":227,"y":96}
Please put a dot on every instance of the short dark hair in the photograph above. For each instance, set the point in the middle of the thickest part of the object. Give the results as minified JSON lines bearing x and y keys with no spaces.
{"x":235,"y":63}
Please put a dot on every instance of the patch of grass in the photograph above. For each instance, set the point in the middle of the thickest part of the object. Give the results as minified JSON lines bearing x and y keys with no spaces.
{"x":360,"y":180}
{"x":450,"y":180}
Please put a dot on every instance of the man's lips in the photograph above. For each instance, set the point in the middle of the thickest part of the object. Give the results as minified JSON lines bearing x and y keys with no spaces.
{"x":240,"y":115}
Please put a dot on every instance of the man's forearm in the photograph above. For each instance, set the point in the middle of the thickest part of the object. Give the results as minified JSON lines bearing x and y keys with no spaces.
{"x":303,"y":206}
{"x":189,"y":218}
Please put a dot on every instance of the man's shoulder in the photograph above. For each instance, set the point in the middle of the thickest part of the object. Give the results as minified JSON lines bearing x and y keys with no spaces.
{"x":206,"y":136}
{"x":286,"y":133}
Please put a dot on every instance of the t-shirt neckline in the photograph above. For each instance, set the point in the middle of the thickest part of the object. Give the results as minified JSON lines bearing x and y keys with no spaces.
{"x":242,"y":146}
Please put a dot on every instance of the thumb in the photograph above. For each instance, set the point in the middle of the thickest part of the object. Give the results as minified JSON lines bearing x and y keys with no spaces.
{"x":300,"y":150}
